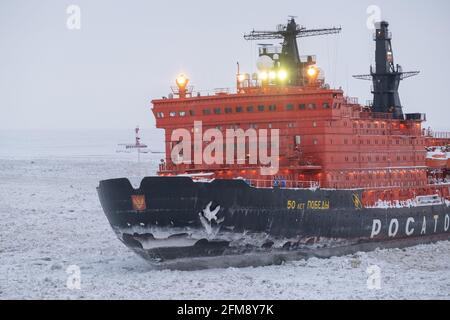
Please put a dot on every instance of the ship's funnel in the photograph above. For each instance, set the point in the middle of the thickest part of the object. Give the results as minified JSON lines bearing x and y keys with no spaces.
{"x":386,"y":76}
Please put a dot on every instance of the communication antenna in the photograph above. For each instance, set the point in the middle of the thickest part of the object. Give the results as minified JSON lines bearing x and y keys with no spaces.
{"x":290,"y":57}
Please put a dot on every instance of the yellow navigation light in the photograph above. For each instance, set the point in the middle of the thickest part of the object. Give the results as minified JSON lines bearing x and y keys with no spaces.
{"x":182,"y":81}
{"x":272,"y":75}
{"x":282,"y":75}
{"x":312,"y":71}
{"x":263,"y":76}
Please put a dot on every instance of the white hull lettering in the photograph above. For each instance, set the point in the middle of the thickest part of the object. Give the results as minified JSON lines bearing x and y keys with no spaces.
{"x":424,"y":226}
{"x":376,"y":228}
{"x":409,"y":231}
{"x":393,"y":228}
{"x":410,"y":226}
{"x":436,"y":218}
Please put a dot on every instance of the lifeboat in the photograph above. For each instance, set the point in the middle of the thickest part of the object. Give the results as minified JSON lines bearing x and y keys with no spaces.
{"x":437,"y":159}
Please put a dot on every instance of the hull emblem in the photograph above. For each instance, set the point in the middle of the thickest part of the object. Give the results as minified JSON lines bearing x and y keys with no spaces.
{"x":209,"y":220}
{"x":138,"y":202}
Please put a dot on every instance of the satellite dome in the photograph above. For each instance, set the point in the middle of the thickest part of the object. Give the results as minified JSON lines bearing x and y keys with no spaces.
{"x":264,"y":63}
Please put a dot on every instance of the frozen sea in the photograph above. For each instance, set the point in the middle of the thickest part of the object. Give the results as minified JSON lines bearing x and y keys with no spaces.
{"x":52,"y":224}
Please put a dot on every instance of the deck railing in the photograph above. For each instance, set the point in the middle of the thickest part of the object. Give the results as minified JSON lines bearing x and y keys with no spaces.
{"x":351,"y":100}
{"x":441,"y":135}
{"x":375,"y":115}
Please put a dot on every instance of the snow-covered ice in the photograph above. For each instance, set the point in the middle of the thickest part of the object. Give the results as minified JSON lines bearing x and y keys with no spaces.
{"x":51,"y":219}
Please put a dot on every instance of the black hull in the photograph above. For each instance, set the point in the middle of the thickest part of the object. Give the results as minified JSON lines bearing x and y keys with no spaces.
{"x":181,"y":219}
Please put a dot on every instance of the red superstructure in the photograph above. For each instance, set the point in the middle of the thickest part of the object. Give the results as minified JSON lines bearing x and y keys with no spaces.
{"x":326,"y":139}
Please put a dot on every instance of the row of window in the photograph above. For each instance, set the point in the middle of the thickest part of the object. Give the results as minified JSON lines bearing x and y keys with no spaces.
{"x":311,"y":106}
{"x":381,"y":158}
{"x":414,"y":183}
{"x":381,"y":141}
{"x":369,"y":125}
{"x":240,"y":109}
{"x":385,"y":176}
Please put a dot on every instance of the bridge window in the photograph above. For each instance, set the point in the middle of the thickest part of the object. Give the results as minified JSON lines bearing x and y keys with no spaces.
{"x":302,"y":106}
{"x":289,"y":107}
{"x":239,"y":109}
{"x":312,"y":106}
{"x":217,"y":111}
{"x":182,"y":113}
{"x":250,"y":109}
{"x":272,"y":107}
{"x":173,"y":114}
{"x":326,"y":105}
{"x":191,"y":113}
{"x":206,"y":112}
{"x":228,"y":110}
{"x":261,"y":108}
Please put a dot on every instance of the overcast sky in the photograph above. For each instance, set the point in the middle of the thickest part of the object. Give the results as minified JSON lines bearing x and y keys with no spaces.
{"x":129,"y":52}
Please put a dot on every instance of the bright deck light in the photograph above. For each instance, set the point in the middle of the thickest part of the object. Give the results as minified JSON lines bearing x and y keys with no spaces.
{"x":282,"y":75}
{"x":312,"y":72}
{"x":263,"y":76}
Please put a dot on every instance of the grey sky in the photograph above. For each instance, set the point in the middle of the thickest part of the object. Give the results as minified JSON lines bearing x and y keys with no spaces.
{"x":129,"y":52}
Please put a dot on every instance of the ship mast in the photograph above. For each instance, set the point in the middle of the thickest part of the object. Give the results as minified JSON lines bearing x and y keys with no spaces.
{"x":387,"y":76}
{"x":290,"y":56}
